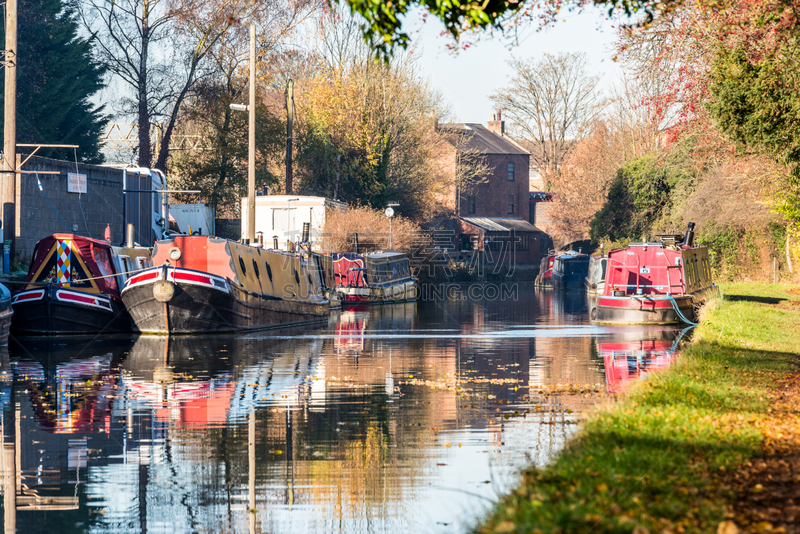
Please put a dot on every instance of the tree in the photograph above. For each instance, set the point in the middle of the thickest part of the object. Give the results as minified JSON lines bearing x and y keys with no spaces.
{"x":57,"y":76}
{"x":382,"y":22}
{"x":366,"y":133}
{"x":756,"y":103}
{"x":553,"y":102}
{"x":221,"y":171}
{"x":158,"y":49}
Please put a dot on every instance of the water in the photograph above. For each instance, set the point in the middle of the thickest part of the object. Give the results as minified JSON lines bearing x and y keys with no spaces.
{"x":405,"y":418}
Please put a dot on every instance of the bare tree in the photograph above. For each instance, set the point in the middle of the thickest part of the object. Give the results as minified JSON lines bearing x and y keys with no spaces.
{"x":553,"y":102}
{"x":158,"y":49}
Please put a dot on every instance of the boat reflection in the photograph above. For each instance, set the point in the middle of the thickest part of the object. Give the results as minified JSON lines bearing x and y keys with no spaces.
{"x":389,"y":419}
{"x":632,"y":354}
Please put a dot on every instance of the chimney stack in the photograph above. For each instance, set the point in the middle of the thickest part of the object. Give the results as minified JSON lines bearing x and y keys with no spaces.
{"x":497,"y":124}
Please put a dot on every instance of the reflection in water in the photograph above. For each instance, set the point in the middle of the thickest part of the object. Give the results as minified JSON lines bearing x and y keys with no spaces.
{"x":398,"y":418}
{"x":630,"y":355}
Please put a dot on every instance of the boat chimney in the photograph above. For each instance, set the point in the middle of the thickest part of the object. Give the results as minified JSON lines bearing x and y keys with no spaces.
{"x":275,"y":242}
{"x":355,"y":242}
{"x":306,"y":231}
{"x":688,"y":239}
{"x":130,"y":235}
{"x":260,"y":238}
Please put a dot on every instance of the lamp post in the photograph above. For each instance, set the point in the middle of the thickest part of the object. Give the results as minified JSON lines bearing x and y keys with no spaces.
{"x":390,"y":213}
{"x":289,"y":220}
{"x":251,"y":141}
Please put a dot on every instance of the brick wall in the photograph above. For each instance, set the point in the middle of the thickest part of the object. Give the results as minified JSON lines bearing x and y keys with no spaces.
{"x":99,"y":206}
{"x":491,"y":198}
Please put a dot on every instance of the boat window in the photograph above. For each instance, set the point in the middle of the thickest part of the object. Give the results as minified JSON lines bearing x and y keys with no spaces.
{"x":269,"y":270}
{"x":255,"y":268}
{"x":241,"y":264}
{"x":296,"y":278}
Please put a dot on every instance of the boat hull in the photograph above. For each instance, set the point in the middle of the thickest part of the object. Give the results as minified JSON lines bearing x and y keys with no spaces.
{"x":54,"y":310}
{"x":642,"y":310}
{"x":201,"y":303}
{"x":403,"y":292}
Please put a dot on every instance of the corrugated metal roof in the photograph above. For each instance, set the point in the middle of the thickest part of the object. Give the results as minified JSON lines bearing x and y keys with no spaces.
{"x":500,"y":224}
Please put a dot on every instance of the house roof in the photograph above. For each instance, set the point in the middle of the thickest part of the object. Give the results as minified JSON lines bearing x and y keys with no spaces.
{"x":500,"y":224}
{"x":481,"y":139}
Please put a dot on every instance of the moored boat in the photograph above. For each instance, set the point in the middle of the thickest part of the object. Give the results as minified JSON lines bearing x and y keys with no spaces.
{"x":657,"y":283}
{"x":203,"y":284}
{"x":374,"y":277}
{"x":73,"y":286}
{"x":545,"y":276}
{"x":570,"y":270}
{"x":6,"y":313}
{"x":595,"y":281}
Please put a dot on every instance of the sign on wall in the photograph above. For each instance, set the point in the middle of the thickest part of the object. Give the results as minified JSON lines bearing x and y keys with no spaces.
{"x":76,"y":183}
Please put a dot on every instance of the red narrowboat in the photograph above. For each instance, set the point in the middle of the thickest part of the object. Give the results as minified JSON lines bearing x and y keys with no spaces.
{"x":657,"y":283}
{"x":73,"y":286}
{"x":203,"y":284}
{"x":545,"y":276}
{"x":374,"y":277}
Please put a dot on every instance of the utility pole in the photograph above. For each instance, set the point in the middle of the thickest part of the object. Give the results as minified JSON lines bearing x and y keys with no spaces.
{"x":251,"y":147}
{"x":9,"y":167}
{"x":289,"y":121}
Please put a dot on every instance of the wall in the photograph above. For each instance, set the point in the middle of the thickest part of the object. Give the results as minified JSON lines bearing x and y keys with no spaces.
{"x":491,"y":198}
{"x":101,"y":205}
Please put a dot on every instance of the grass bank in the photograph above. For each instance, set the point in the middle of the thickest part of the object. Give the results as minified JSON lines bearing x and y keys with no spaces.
{"x":661,"y":458}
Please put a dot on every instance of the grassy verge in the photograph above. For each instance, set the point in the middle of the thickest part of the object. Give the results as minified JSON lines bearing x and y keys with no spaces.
{"x":656,"y":459}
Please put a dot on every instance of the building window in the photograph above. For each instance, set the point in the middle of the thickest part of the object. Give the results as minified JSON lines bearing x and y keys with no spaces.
{"x":471,"y":204}
{"x":510,"y":204}
{"x":510,"y":172}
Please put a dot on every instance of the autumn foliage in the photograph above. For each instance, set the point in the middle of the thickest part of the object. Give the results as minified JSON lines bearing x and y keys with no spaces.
{"x":373,"y":229}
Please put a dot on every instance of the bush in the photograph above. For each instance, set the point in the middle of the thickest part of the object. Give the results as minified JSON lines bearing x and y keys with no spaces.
{"x":373,"y":229}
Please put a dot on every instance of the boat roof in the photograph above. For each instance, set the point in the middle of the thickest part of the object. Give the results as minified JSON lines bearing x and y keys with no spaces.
{"x":571,"y":254}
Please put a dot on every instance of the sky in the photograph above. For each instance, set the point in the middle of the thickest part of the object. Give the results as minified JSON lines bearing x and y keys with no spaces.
{"x":469,"y":78}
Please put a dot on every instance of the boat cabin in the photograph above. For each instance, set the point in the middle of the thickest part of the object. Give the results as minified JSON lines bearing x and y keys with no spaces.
{"x":657,"y":269}
{"x":377,"y":269}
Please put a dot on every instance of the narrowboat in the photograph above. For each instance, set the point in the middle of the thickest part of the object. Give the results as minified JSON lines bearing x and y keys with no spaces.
{"x":374,"y":277}
{"x":658,"y":283}
{"x":545,"y":276}
{"x":570,"y":270}
{"x":73,"y":286}
{"x":203,"y":284}
{"x":595,"y":281}
{"x":6,"y":313}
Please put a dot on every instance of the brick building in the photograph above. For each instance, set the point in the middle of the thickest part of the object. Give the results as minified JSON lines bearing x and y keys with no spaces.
{"x":494,"y":214}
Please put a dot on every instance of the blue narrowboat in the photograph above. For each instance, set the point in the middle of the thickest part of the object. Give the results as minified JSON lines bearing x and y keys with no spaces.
{"x":569,"y":270}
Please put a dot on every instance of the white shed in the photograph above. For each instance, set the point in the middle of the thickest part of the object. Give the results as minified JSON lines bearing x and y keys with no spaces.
{"x":282,"y":217}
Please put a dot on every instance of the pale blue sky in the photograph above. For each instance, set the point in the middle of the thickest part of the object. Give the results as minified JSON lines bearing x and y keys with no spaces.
{"x":468,"y":79}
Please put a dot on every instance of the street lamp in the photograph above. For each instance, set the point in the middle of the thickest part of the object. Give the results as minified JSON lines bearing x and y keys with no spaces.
{"x":390,"y":213}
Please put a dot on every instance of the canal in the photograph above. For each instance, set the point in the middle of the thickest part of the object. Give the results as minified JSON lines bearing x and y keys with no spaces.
{"x":404,"y":418}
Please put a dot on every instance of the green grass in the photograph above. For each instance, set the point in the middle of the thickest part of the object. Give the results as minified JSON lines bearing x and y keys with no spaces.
{"x":656,"y":459}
